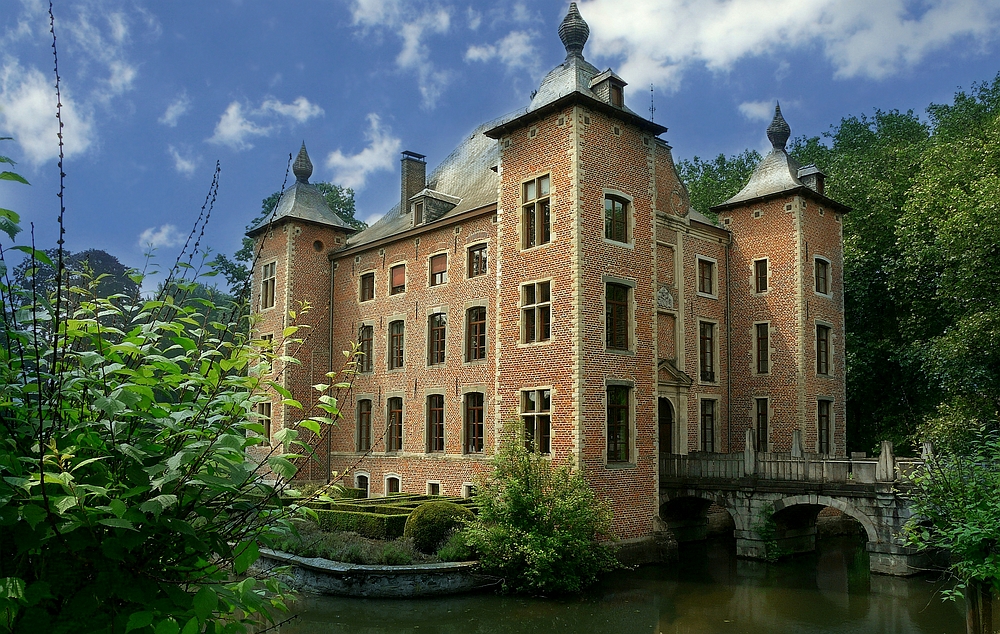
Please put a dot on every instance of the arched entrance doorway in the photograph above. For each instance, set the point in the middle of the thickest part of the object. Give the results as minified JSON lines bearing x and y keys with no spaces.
{"x":665,"y":414}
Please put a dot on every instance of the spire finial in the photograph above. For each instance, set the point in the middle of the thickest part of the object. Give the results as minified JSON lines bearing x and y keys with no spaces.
{"x":778,"y":132}
{"x":302,"y":167}
{"x":574,"y":32}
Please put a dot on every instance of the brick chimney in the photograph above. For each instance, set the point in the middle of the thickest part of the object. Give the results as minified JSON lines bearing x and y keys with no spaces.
{"x":413,"y":178}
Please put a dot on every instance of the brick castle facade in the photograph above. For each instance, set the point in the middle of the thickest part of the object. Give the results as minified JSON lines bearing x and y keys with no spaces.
{"x":550,"y":276}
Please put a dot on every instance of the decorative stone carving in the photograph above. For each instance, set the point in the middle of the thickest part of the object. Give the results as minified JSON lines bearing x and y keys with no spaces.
{"x":664,"y":299}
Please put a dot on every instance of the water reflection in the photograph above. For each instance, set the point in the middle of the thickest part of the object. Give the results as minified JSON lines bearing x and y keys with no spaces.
{"x":707,"y":590}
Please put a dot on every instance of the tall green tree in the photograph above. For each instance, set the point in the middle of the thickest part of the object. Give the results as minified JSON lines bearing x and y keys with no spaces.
{"x":236,"y":269}
{"x":712,"y":182}
{"x":112,"y":277}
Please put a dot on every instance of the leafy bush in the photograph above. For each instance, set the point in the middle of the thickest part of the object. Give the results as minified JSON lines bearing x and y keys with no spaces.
{"x":540,"y":527}
{"x":455,"y":548}
{"x":347,"y":547}
{"x":431,"y":522}
{"x":127,"y":500}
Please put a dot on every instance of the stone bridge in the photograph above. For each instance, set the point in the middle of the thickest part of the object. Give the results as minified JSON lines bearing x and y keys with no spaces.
{"x":774,"y":499}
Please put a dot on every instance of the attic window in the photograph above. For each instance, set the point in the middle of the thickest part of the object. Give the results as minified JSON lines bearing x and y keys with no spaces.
{"x":617,"y":131}
{"x":617,"y":96}
{"x":418,"y":212}
{"x":533,"y":132}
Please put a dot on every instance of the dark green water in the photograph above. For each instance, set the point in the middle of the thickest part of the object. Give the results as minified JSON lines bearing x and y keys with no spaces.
{"x":707,"y":590}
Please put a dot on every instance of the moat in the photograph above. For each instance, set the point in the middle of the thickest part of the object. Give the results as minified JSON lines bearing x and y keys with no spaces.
{"x":707,"y":590}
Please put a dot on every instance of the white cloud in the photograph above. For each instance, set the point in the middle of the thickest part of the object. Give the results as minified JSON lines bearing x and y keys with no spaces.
{"x":659,"y":38}
{"x":163,"y":236}
{"x":353,"y":170}
{"x":237,"y":125}
{"x":102,"y":36}
{"x":412,"y":27}
{"x":183,"y":164}
{"x":234,"y":129}
{"x":27,"y":111}
{"x":757,"y":110}
{"x":475,"y":18}
{"x":516,"y":51}
{"x":177,"y":108}
{"x":300,"y":109}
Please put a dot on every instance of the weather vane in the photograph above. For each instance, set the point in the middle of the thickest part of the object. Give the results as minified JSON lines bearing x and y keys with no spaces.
{"x":652,"y":108}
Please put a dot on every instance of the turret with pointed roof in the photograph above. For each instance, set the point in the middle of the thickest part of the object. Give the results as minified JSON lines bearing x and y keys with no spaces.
{"x":303,"y":201}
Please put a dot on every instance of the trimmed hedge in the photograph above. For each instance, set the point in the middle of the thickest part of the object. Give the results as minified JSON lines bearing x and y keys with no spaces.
{"x":430,"y":524}
{"x":371,"y":525}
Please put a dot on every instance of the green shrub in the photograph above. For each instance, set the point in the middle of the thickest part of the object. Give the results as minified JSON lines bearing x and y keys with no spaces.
{"x":455,"y":548}
{"x":371,"y":525}
{"x":540,"y":527}
{"x":429,"y":524}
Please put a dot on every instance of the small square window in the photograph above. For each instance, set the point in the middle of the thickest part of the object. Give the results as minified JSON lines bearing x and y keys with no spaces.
{"x":367,"y":291}
{"x":439,"y":269}
{"x":397,"y":279}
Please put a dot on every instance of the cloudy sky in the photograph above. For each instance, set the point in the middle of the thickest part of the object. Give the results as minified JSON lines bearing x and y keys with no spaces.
{"x":155,"y":93}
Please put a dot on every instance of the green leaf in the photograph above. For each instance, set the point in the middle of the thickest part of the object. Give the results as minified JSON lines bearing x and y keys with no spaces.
{"x":63,"y":503}
{"x":33,"y":514}
{"x":282,"y":467}
{"x":192,"y":626}
{"x":311,"y":425}
{"x":246,"y":554}
{"x":139,"y":620}
{"x":117,"y":507}
{"x":167,"y":626}
{"x":11,"y":176}
{"x":12,"y":588}
{"x":116,"y":522}
{"x":205,"y":601}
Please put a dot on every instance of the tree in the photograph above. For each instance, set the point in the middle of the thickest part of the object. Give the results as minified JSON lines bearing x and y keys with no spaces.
{"x":540,"y":527}
{"x":712,"y":182}
{"x":236,"y":270}
{"x":115,"y":277}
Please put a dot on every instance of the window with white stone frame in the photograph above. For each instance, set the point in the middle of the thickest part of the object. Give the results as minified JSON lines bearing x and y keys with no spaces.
{"x":536,"y":214}
{"x":536,"y":407}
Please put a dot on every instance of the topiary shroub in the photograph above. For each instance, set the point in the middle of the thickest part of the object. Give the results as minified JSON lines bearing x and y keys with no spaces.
{"x":430,"y":523}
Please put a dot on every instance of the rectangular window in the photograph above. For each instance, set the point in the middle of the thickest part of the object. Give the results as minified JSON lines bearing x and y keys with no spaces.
{"x":475,"y":334}
{"x":477,"y":260}
{"x":617,"y":95}
{"x":439,"y":269}
{"x":474,"y":422}
{"x":822,"y":277}
{"x":706,"y":277}
{"x":615,"y":219}
{"x":618,"y":423}
{"x":760,"y":275}
{"x":535,"y":406}
{"x":264,"y":418}
{"x":396,"y":330}
{"x":365,"y":348}
{"x":394,"y":424}
{"x":267,"y":285}
{"x":708,"y":425}
{"x":822,"y":350}
{"x":267,"y":352}
{"x":418,"y":213}
{"x":397,"y":279}
{"x":364,"y":425}
{"x":535,"y":213}
{"x":367,"y":291}
{"x":391,"y":485}
{"x":433,"y":488}
{"x":536,"y":315}
{"x":436,"y":325}
{"x":707,"y":350}
{"x":616,"y":320}
{"x":435,"y":423}
{"x":763,"y":345}
{"x":761,"y":424}
{"x":823,"y":415}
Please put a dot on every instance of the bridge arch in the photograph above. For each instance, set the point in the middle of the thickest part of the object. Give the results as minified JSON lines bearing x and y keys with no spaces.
{"x":841,"y":505}
{"x":708,"y":497}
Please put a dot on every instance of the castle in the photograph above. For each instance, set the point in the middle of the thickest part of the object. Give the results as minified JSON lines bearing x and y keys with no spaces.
{"x":551,"y":274}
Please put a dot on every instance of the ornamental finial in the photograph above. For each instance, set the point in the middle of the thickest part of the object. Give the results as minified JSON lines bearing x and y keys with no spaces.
{"x":778,"y":132}
{"x":302,"y":167}
{"x":574,"y":32}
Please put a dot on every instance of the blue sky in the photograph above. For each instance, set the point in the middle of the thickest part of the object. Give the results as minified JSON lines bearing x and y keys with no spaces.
{"x":156,"y":92}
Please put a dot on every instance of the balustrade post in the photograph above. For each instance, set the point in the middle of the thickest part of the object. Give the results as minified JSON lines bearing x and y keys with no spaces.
{"x":885,"y":470}
{"x":750,"y":454}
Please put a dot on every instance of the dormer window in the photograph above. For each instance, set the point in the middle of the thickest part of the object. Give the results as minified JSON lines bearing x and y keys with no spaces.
{"x":617,"y":96}
{"x":418,"y":212}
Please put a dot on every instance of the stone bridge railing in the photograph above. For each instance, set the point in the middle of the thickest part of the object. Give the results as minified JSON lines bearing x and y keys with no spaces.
{"x":793,"y":466}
